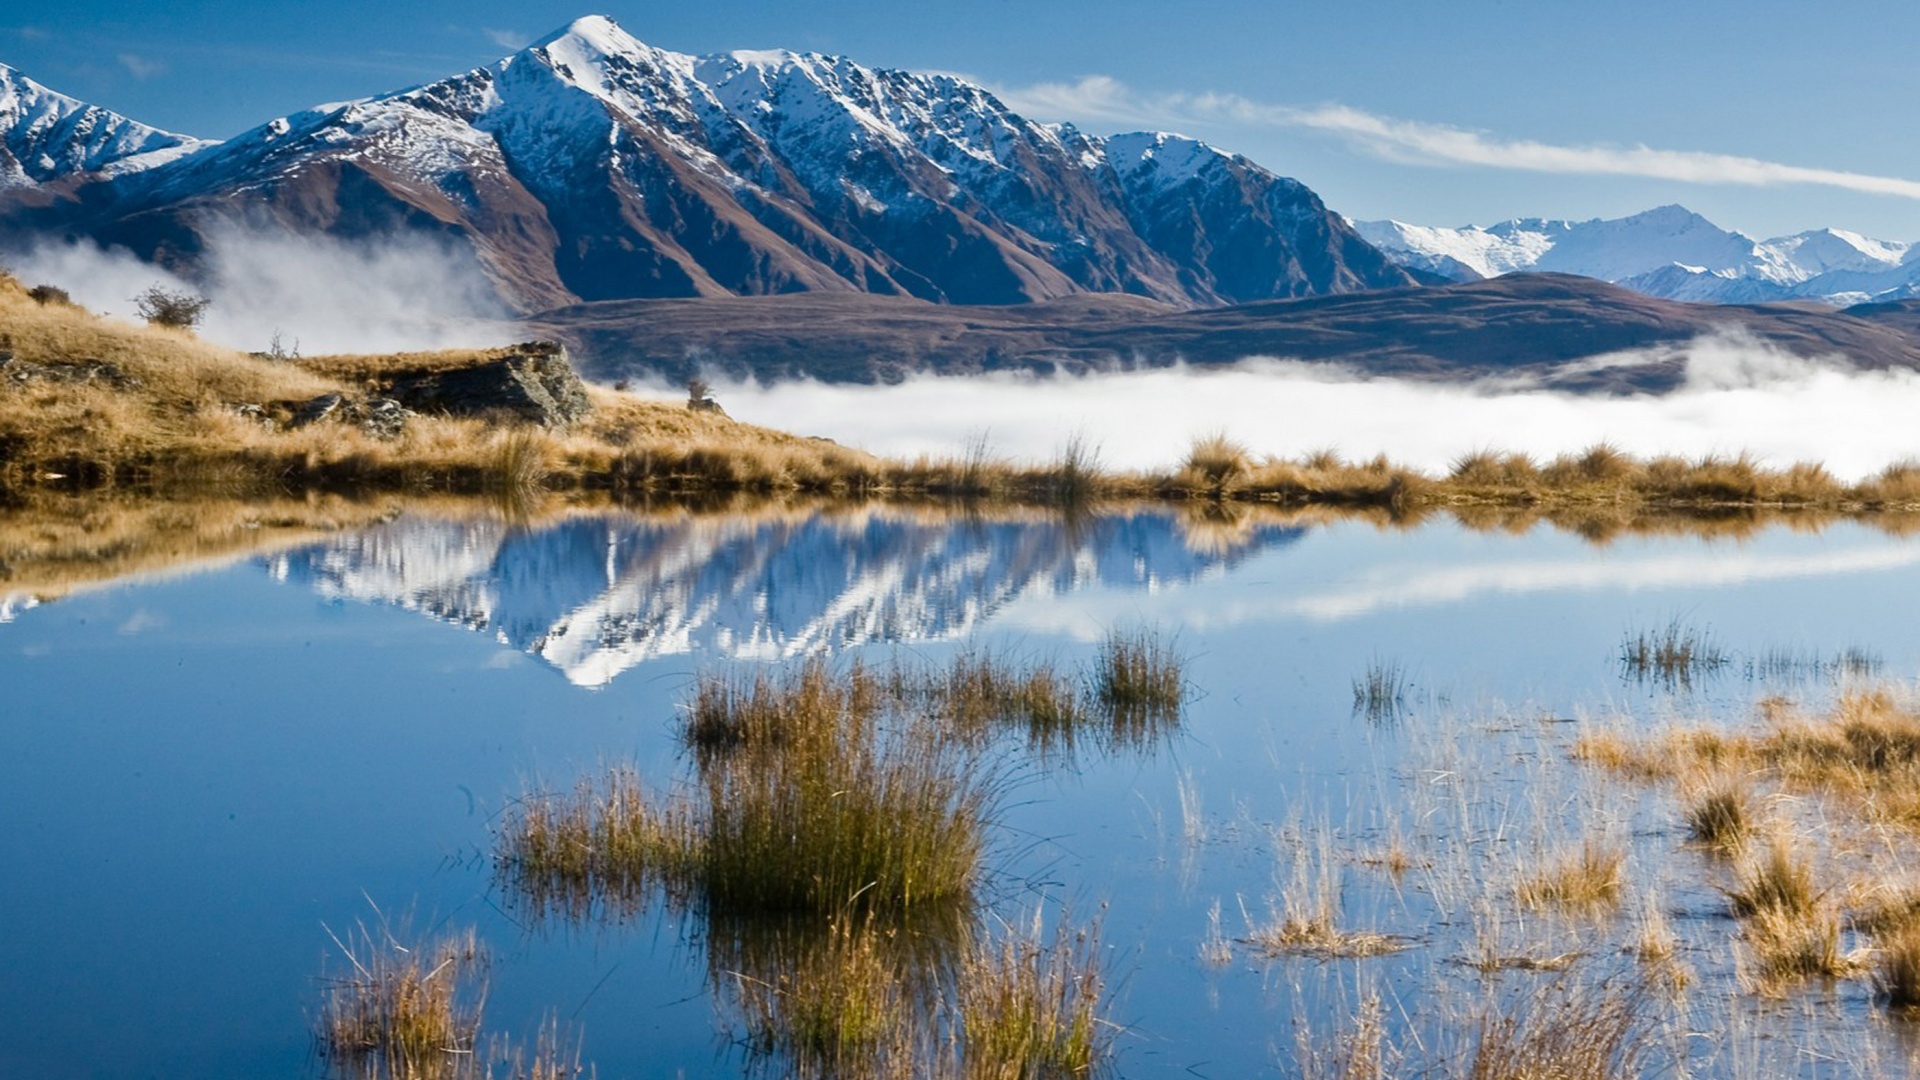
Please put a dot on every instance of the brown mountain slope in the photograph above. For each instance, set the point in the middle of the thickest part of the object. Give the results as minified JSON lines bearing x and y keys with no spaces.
{"x":1541,"y":326}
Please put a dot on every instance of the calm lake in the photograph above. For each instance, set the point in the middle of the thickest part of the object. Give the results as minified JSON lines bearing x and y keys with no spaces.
{"x":207,"y":774}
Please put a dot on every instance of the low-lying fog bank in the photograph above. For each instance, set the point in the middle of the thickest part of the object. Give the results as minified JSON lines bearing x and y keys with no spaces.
{"x":1737,"y":396}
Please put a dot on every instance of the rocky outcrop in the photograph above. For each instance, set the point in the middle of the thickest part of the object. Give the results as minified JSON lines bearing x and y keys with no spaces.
{"x":382,"y":418}
{"x":15,"y":370}
{"x":533,"y":382}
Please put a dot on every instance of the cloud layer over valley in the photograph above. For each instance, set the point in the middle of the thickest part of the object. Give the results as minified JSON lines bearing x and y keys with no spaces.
{"x":1737,"y":395}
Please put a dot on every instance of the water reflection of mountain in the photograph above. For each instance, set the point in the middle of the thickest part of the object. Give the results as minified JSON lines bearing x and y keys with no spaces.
{"x":595,"y":595}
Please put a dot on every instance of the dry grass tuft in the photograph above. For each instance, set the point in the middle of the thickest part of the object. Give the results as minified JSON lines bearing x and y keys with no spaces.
{"x":1719,"y":812}
{"x":1787,"y":946}
{"x":805,"y":802}
{"x":1672,"y":654}
{"x":1590,"y":878}
{"x":1380,"y":693}
{"x":1776,"y":880}
{"x":408,"y":1013}
{"x":1214,"y":462}
{"x":1896,"y":966}
{"x":1564,"y":1031}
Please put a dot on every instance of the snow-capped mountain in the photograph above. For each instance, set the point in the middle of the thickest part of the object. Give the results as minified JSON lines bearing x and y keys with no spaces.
{"x":597,"y":595}
{"x":46,"y":137}
{"x":1669,"y":252}
{"x":592,"y":166}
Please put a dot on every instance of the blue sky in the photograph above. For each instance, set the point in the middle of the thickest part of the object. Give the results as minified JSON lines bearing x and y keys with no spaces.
{"x":1767,"y":116}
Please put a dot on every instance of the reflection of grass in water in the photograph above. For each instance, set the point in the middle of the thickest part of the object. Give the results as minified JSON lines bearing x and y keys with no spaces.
{"x":1791,"y":665}
{"x":851,"y":999}
{"x":1672,"y":654}
{"x":1028,"y":1003}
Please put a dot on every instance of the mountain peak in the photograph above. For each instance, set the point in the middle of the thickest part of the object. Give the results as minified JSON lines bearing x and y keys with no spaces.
{"x":46,"y":135}
{"x":596,"y":32}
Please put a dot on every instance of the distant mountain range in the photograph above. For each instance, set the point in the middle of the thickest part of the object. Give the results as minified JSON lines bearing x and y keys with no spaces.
{"x":1670,"y":252}
{"x":591,"y":166}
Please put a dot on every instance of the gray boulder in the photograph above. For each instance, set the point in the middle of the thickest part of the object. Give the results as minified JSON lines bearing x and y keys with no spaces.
{"x":534,"y":382}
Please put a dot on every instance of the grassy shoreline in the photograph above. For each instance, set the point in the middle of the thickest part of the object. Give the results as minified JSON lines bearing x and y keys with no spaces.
{"x":174,"y":415}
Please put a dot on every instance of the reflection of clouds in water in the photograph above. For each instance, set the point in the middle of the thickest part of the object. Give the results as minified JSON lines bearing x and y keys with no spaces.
{"x":1738,"y":394}
{"x":142,"y":621}
{"x":1374,"y":589}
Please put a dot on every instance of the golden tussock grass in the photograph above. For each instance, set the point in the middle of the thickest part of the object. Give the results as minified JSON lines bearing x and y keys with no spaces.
{"x":1590,"y":878}
{"x":806,"y":800}
{"x":176,"y":425}
{"x":409,"y":1013}
{"x":1866,"y":748}
{"x":1563,"y":1031}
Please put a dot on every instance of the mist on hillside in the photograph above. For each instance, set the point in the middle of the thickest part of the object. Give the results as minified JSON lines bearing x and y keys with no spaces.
{"x":316,"y":294}
{"x":1738,"y":395}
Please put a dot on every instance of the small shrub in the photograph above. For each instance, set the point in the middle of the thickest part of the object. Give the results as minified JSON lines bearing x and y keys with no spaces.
{"x":46,"y":295}
{"x":164,"y":307}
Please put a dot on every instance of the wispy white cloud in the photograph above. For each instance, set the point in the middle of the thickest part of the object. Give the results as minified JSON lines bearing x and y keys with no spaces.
{"x":1100,"y":98}
{"x":141,"y":67}
{"x":508,"y":39}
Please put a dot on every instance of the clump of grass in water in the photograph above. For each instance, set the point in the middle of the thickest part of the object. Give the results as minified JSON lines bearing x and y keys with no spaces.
{"x":1672,"y":654}
{"x":1380,"y":694}
{"x":1028,"y":1003}
{"x":1778,"y":880}
{"x":1565,"y":1031}
{"x":1853,"y":662}
{"x":849,"y":814}
{"x":603,"y":847}
{"x":1896,"y":967}
{"x":979,"y":693}
{"x":1589,"y":878}
{"x":766,"y":711}
{"x":806,"y":803}
{"x":1719,"y":813}
{"x":1137,"y":683}
{"x":405,"y":1013}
